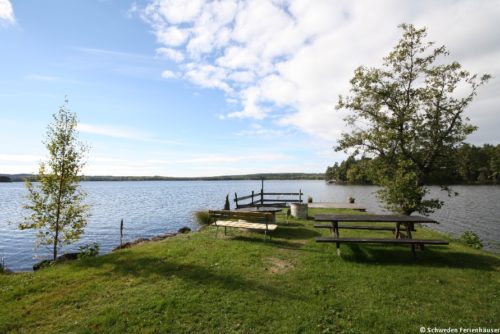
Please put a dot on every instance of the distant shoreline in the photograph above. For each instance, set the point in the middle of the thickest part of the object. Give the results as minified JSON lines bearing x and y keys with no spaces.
{"x":247,"y":177}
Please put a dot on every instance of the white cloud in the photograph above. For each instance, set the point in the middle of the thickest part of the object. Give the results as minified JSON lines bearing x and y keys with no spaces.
{"x":19,"y":158}
{"x":168,"y":74}
{"x":251,"y":98}
{"x":112,"y":131}
{"x":6,"y":13}
{"x":172,"y":36}
{"x":46,"y":78}
{"x":171,"y":54}
{"x":52,"y":79}
{"x":233,"y":158}
{"x":299,"y":55}
{"x":258,"y":131}
{"x":176,"y":11}
{"x":193,"y":164}
{"x":114,"y":54}
{"x":208,"y":76}
{"x":124,"y":133}
{"x":242,"y":76}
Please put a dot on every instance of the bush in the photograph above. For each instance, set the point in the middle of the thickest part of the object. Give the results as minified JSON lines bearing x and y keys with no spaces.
{"x":184,"y":229}
{"x":471,"y":239}
{"x":3,"y":268}
{"x":202,"y":217}
{"x":89,"y":250}
{"x":309,"y":199}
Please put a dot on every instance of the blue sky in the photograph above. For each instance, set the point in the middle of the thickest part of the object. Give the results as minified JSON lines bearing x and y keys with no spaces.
{"x":200,"y":88}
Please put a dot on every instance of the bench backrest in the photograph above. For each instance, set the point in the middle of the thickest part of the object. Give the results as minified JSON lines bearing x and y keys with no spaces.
{"x":257,"y":217}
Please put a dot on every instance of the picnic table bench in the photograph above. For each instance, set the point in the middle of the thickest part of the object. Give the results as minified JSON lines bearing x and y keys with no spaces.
{"x":257,"y":220}
{"x":268,"y":209}
{"x":401,"y":237}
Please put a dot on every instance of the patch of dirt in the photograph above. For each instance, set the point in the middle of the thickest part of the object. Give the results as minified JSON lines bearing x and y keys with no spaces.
{"x":278,"y":266}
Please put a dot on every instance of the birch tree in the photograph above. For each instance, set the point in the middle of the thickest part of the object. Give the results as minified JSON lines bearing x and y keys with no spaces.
{"x":56,"y":201}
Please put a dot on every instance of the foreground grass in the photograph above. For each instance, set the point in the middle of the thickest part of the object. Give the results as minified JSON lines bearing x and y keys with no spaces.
{"x":195,"y":283}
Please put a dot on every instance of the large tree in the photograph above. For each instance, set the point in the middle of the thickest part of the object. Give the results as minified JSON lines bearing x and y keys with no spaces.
{"x":410,"y":114}
{"x":55,"y":202}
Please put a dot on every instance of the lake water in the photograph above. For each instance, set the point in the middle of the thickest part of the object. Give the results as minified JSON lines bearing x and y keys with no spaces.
{"x":150,"y":208}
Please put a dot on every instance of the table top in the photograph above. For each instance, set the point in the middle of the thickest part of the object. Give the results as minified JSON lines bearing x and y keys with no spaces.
{"x":259,"y":209}
{"x":374,"y":218}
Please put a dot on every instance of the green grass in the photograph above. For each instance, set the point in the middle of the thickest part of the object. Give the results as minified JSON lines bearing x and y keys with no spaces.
{"x":194,"y":283}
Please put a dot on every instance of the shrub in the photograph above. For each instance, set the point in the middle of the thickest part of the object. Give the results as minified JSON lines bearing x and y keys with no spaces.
{"x":184,"y":229}
{"x":309,"y":199}
{"x":202,"y":217}
{"x":471,"y":239}
{"x":88,"y":250}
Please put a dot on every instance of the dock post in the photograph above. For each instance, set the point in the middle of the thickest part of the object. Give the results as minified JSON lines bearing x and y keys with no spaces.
{"x":121,"y":232}
{"x":262,"y":192}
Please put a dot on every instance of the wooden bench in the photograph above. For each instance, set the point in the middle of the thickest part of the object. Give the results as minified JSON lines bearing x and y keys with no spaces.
{"x":262,"y":221}
{"x":413,"y":242}
{"x":353,"y":227}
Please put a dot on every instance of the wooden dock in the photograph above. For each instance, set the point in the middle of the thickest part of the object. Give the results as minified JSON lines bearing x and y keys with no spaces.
{"x":330,"y":205}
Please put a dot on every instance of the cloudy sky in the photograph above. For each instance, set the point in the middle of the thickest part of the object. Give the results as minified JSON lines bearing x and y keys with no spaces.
{"x":198,"y":88}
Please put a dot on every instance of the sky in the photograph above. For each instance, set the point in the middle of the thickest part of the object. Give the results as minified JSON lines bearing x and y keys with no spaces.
{"x":206,"y":88}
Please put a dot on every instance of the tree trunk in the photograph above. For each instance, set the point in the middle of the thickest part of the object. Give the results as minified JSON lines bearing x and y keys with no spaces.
{"x":59,"y":197}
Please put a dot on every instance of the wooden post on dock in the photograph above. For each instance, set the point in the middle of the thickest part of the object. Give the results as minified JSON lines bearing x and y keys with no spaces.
{"x":262,"y":192}
{"x":121,"y":232}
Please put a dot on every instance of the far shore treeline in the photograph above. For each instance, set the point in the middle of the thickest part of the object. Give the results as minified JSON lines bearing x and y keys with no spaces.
{"x":471,"y":165}
{"x":266,"y":176}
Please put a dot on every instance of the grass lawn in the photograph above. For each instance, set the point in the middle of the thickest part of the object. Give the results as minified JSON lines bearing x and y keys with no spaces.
{"x":194,"y":283}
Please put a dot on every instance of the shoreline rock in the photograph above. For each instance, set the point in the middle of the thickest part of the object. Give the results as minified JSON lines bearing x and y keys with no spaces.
{"x":129,"y":244}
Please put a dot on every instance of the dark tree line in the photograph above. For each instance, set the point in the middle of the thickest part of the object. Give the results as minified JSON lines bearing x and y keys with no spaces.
{"x":266,"y":176}
{"x":4,"y":178}
{"x":470,"y":165}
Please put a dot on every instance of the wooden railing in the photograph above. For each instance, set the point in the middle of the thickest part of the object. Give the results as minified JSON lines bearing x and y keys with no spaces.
{"x":259,"y":199}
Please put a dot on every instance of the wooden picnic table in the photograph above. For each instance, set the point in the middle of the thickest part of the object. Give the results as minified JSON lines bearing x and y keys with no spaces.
{"x":408,"y":222}
{"x":331,"y":205}
{"x":243,"y":220}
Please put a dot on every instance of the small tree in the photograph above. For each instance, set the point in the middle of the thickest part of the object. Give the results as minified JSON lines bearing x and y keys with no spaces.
{"x":409,"y":115}
{"x":56,"y":202}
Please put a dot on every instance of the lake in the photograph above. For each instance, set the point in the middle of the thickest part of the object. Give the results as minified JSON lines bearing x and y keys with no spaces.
{"x":150,"y":208}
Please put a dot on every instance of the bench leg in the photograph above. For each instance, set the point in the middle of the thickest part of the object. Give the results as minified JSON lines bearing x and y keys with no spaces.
{"x":408,"y":230}
{"x":413,"y":251}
